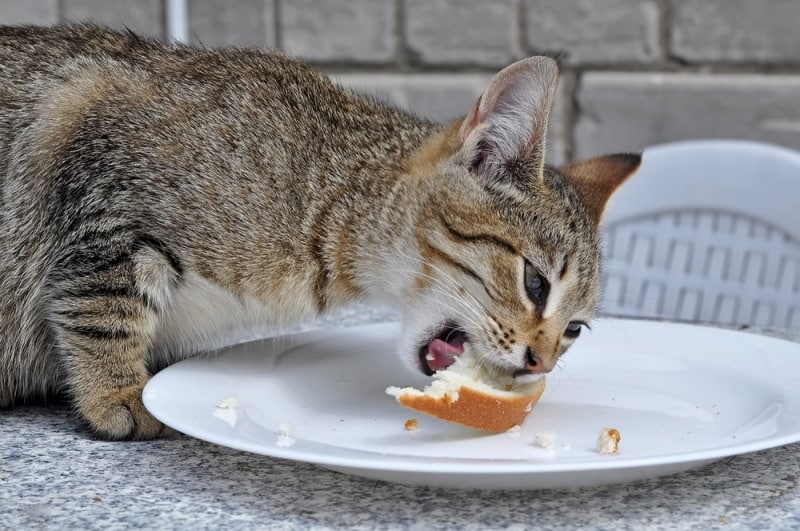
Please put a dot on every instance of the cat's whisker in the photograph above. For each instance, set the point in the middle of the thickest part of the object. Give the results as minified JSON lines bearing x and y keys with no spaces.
{"x":448,"y":287}
{"x":455,"y":293}
{"x":455,"y":285}
{"x":447,"y":278}
{"x":452,"y":295}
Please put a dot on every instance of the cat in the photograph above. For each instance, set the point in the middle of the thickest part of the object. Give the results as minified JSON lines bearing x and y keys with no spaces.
{"x":156,"y":196}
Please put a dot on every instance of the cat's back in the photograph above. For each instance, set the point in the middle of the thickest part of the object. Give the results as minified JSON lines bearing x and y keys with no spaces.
{"x":95,"y":112}
{"x":263,"y":94}
{"x":43,"y":57}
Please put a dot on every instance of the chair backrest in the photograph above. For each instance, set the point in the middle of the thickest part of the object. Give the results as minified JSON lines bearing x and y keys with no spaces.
{"x":707,"y":231}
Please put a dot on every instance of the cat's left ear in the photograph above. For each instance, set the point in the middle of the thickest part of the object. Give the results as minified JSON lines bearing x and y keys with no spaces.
{"x":596,"y":179}
{"x":508,"y":122}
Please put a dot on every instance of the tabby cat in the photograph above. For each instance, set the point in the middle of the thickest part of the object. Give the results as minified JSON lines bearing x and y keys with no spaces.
{"x":157,"y":196}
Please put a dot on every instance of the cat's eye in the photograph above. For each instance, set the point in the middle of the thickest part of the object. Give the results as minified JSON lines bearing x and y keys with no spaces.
{"x":536,"y":286}
{"x":573,"y":329}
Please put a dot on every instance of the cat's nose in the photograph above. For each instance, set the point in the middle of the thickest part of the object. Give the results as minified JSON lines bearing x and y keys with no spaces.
{"x":534,"y":363}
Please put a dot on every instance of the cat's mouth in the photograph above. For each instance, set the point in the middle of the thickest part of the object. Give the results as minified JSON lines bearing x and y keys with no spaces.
{"x":441,"y":350}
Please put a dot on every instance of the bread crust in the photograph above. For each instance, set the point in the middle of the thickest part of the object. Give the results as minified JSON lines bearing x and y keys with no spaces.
{"x":477,"y":409}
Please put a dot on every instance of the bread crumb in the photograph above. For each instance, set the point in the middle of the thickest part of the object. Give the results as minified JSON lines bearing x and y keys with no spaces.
{"x":545,"y":439}
{"x":608,"y":441}
{"x":229,"y":403}
{"x":226,"y":410}
{"x":411,"y":425}
{"x":285,"y":440}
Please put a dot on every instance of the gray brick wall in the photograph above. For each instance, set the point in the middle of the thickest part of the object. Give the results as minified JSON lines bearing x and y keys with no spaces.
{"x":595,"y":31}
{"x":252,"y":23}
{"x":143,"y":16}
{"x":478,"y":32}
{"x":629,"y":111}
{"x":636,"y":72}
{"x":339,"y":31}
{"x":29,"y":12}
{"x":736,"y":30}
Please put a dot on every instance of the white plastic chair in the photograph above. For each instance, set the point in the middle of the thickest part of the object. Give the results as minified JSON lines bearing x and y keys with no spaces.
{"x":707,"y":231}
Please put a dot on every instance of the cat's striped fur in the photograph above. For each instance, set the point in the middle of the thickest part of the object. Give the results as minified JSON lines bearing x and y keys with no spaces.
{"x":154,"y":197}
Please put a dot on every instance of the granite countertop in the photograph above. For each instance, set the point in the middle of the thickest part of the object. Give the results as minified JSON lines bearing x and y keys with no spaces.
{"x":53,"y":475}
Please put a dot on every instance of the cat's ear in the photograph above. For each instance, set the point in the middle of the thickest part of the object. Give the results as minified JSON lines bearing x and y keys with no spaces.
{"x":596,"y":179}
{"x":508,"y":122}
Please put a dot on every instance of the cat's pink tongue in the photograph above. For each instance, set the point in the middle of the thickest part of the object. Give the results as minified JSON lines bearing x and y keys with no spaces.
{"x":442,"y":354}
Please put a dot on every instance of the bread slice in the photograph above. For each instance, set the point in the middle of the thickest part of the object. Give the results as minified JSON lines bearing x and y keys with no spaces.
{"x":466,"y":394}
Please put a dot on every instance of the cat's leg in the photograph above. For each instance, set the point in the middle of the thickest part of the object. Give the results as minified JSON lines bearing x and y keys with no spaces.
{"x":105,"y":306}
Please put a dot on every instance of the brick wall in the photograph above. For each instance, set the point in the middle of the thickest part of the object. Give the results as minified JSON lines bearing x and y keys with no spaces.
{"x":636,"y":72}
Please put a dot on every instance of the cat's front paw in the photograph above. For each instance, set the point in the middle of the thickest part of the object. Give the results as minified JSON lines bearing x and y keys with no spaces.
{"x":122,"y":416}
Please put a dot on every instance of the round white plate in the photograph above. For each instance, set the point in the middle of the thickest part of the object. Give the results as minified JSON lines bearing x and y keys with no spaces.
{"x":680,"y":395}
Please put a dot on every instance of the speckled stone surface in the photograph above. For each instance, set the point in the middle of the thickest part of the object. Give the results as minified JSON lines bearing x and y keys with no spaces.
{"x":53,"y":475}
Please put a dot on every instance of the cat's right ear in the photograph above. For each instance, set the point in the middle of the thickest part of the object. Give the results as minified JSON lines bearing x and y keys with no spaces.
{"x":508,"y":122}
{"x":595,"y":180}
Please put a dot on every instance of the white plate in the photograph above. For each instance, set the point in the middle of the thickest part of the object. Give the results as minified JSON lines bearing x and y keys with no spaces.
{"x":681,"y":396}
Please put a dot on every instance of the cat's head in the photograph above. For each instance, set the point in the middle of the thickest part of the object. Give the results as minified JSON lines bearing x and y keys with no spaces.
{"x":508,"y":247}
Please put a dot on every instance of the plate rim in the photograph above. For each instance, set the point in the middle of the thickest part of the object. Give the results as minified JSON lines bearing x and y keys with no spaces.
{"x":401,"y":463}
